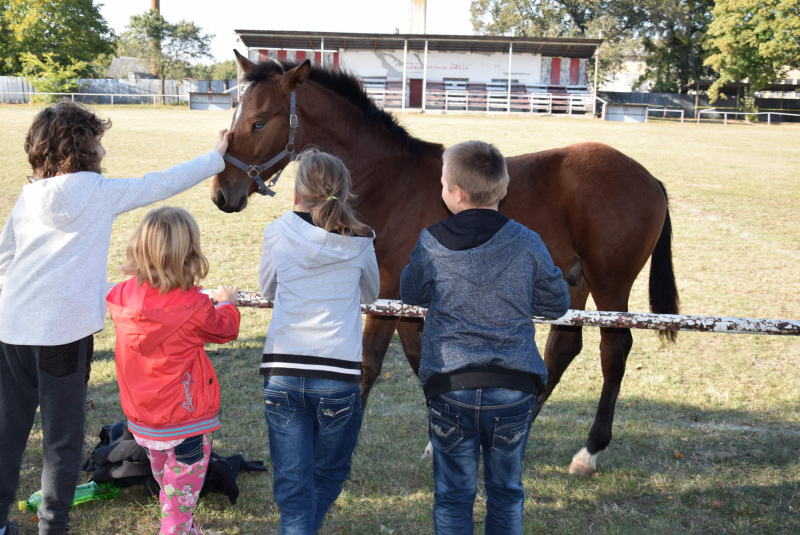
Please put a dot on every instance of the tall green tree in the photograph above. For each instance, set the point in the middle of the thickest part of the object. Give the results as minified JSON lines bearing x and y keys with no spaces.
{"x":73,"y":32}
{"x":621,"y":23}
{"x":674,"y":51}
{"x":753,"y":40}
{"x":170,"y":48}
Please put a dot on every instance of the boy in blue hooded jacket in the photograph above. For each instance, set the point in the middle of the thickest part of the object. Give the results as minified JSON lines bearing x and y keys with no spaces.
{"x":481,"y":276}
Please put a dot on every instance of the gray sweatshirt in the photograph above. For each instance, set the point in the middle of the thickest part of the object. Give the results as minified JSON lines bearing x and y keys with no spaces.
{"x":54,"y":248}
{"x":318,"y":280}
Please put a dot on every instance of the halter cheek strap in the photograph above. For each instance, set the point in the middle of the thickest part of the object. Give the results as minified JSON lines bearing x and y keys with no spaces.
{"x":254,"y":171}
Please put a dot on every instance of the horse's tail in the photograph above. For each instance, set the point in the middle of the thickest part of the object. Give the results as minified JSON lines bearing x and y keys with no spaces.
{"x":663,"y":288}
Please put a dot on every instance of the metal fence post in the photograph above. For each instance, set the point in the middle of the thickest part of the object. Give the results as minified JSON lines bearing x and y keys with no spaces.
{"x":726,"y":118}
{"x":112,"y":99}
{"x":73,"y":96}
{"x":154,"y":101}
{"x":769,"y":119}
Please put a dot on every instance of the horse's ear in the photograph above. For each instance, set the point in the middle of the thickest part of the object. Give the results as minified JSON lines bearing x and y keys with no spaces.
{"x":295,"y":77}
{"x":243,"y":62}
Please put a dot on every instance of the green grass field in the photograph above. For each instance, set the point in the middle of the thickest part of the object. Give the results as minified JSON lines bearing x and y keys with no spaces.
{"x":727,"y":405}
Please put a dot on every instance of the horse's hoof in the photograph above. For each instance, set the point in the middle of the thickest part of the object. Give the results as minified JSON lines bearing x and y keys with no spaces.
{"x":427,"y":455}
{"x":583,"y":464}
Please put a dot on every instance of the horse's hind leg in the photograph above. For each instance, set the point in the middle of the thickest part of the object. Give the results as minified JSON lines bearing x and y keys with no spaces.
{"x":410,"y":332}
{"x":563,"y":345}
{"x":615,"y":344}
{"x":378,"y":333}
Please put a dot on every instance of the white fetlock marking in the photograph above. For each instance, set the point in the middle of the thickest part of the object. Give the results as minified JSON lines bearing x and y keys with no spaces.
{"x":585,"y":458}
{"x":427,"y":455}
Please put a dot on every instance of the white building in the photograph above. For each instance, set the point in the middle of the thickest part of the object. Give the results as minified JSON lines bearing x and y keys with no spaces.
{"x":447,"y":72}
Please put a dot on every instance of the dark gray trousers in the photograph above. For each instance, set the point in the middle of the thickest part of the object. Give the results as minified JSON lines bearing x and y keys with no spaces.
{"x":53,"y":378}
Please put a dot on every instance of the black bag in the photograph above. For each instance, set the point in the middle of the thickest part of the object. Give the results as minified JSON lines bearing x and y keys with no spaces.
{"x":120,"y":459}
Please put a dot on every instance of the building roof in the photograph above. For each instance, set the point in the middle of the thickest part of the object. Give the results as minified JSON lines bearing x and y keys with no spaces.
{"x":120,"y":67}
{"x":547,"y":46}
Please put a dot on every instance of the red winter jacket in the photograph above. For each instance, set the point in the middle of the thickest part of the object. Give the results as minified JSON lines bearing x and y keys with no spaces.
{"x":166,"y":381}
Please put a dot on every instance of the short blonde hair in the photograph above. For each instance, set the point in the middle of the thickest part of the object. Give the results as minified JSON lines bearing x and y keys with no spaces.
{"x":164,"y":251}
{"x":323,"y":183}
{"x":479,"y":169}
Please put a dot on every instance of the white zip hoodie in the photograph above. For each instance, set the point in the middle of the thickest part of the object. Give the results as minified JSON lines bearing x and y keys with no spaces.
{"x":318,"y":280}
{"x":54,"y":248}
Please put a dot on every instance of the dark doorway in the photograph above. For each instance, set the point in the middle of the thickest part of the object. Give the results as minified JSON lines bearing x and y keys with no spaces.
{"x":415,"y":94}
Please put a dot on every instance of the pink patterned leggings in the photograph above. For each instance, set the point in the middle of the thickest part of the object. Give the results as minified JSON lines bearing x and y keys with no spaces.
{"x":180,"y":472}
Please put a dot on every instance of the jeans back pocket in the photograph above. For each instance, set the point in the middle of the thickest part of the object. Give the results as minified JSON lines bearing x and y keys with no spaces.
{"x":276,"y":408}
{"x":510,"y":432}
{"x":445,"y":430}
{"x":190,"y":450}
{"x":335,"y":413}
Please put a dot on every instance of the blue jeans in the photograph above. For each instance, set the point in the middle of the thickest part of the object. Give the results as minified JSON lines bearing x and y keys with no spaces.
{"x":313,"y":430}
{"x":461,"y":422}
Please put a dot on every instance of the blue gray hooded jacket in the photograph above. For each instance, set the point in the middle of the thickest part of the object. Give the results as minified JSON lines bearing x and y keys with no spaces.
{"x":480,"y":302}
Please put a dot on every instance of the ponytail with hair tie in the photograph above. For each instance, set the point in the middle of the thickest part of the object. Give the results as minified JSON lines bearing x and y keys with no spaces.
{"x":318,"y":175}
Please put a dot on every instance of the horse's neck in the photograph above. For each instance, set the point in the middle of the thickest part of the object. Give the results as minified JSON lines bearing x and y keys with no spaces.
{"x":337,"y":126}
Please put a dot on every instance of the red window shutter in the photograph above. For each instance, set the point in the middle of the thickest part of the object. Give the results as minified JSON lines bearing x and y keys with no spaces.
{"x":555,"y":72}
{"x":574,"y":71}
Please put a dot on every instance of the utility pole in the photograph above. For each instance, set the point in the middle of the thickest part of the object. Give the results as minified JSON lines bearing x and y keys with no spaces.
{"x":155,"y":5}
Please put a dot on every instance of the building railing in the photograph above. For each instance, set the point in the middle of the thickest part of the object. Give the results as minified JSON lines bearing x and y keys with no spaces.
{"x":490,"y":101}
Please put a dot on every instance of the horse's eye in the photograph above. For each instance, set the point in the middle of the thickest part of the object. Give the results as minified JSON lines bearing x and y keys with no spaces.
{"x":258,"y":126}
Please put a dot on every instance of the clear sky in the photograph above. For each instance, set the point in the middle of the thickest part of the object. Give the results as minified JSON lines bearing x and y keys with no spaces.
{"x":223,"y":17}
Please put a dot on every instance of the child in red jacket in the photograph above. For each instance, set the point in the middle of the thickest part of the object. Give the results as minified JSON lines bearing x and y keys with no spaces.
{"x":169,"y":391}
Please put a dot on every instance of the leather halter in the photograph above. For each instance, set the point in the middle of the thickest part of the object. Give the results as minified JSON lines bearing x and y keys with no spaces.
{"x":254,"y":171}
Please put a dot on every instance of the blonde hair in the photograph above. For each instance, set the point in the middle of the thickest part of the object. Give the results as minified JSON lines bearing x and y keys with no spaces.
{"x":164,"y":251}
{"x":479,"y":169}
{"x":323,"y":184}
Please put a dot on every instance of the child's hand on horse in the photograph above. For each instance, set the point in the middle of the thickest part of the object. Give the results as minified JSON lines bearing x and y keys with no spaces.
{"x":222,"y":142}
{"x":225,"y":293}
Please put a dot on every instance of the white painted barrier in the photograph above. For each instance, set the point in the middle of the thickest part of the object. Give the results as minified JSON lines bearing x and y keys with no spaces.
{"x":589,"y":318}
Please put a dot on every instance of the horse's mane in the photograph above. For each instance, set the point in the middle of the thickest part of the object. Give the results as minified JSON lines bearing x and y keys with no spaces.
{"x":348,"y":86}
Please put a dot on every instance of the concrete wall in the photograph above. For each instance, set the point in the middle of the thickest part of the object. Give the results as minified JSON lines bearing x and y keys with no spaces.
{"x":477,"y":67}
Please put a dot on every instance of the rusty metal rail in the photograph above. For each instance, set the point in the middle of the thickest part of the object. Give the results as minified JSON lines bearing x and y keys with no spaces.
{"x":587,"y":318}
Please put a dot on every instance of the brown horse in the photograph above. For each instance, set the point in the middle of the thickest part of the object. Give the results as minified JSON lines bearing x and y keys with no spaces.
{"x":600,"y":213}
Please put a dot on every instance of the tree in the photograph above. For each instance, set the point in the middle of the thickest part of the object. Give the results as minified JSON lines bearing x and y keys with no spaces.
{"x":756,"y":40}
{"x":71,"y":31}
{"x":170,"y":48}
{"x":620,"y":22}
{"x":675,"y":54}
{"x":224,"y":70}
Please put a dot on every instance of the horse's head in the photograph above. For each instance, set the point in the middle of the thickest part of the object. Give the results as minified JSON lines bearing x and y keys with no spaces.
{"x":259,"y":132}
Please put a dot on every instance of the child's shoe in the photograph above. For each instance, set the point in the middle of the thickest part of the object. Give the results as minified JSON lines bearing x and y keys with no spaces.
{"x":12,"y":528}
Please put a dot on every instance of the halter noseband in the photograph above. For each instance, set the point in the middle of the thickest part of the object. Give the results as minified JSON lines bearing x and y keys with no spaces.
{"x":253,"y":171}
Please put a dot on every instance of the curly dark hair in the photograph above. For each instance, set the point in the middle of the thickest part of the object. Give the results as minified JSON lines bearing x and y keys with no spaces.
{"x":62,"y":140}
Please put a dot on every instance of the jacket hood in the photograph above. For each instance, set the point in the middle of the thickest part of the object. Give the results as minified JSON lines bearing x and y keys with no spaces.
{"x":316,"y":247}
{"x":480,"y":265}
{"x":60,"y":200}
{"x":150,"y":319}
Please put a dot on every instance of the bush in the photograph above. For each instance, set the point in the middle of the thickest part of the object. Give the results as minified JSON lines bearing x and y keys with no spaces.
{"x":47,"y":76}
{"x":750,"y":108}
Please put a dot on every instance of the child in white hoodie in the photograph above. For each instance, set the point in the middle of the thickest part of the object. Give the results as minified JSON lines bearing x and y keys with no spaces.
{"x":54,"y":254}
{"x":319,"y":265}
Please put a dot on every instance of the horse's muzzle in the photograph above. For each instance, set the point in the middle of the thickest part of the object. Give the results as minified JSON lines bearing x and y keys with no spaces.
{"x":225,"y":204}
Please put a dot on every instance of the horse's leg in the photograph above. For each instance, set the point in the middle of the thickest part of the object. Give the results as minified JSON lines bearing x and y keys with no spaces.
{"x":563,"y":345}
{"x":615,"y":344}
{"x":410,"y":332}
{"x":378,"y":333}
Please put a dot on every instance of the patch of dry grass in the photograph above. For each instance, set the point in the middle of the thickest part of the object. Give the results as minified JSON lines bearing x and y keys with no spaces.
{"x":727,"y":403}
